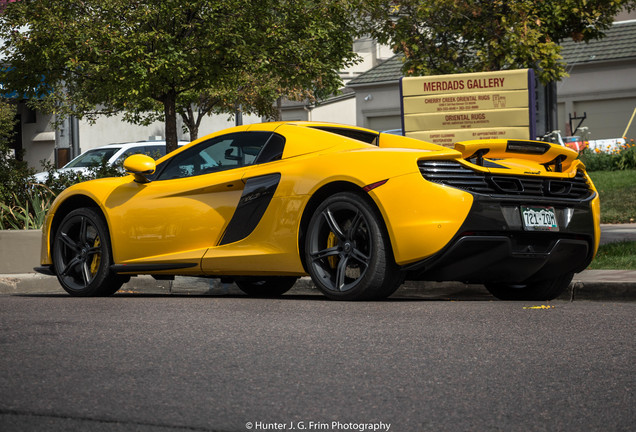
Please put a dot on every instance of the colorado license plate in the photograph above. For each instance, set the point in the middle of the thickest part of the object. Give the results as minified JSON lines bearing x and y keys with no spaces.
{"x":539,"y":219}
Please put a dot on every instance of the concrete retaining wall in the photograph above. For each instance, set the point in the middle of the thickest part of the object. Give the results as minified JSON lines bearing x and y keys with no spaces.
{"x":19,"y":250}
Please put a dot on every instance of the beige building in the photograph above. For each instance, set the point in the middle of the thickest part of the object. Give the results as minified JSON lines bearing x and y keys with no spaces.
{"x":601,"y":88}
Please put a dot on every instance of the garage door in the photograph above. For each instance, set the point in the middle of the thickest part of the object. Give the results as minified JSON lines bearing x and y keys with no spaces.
{"x":382,"y":123}
{"x":606,"y":118}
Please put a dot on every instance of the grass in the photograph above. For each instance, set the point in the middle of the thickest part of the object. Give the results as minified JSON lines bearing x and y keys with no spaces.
{"x":615,"y":256}
{"x":617,"y":190}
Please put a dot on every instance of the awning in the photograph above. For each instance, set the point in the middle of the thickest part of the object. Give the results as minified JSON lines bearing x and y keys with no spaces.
{"x":44,"y":137}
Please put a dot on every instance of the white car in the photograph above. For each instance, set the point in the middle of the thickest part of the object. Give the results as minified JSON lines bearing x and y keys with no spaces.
{"x":113,"y":154}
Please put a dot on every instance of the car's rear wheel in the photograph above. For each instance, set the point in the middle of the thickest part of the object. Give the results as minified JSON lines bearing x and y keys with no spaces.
{"x":347,"y":251}
{"x":536,"y":291}
{"x":272,"y":286}
{"x":82,"y":255}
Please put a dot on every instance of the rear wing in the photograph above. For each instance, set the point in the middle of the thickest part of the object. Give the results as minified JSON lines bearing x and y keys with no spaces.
{"x":553,"y":157}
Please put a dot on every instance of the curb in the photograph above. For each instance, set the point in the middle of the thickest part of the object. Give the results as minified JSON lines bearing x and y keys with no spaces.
{"x":595,"y":285}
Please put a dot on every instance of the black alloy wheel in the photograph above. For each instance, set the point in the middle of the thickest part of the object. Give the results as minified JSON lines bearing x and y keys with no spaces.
{"x":82,"y":255}
{"x":347,"y":251}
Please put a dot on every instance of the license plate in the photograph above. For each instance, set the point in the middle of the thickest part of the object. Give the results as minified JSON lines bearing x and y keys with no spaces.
{"x":539,"y":219}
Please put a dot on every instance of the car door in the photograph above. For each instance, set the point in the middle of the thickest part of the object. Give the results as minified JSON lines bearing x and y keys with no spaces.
{"x":188,"y":204}
{"x":261,"y":237}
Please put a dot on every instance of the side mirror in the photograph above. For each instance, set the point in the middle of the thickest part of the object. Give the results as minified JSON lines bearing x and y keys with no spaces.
{"x":140,"y":166}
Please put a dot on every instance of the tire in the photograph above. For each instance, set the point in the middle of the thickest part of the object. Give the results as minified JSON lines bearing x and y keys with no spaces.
{"x":273,"y":286}
{"x":347,"y":251}
{"x":82,"y":255}
{"x":537,"y":291}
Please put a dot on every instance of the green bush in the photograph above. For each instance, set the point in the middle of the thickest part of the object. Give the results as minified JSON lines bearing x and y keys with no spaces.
{"x":29,"y":212}
{"x":12,"y":172}
{"x":623,"y":158}
{"x":57,"y":180}
{"x":13,"y":177}
{"x":24,"y":203}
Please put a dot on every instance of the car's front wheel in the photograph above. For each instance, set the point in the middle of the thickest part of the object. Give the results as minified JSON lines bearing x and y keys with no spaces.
{"x":347,"y":250}
{"x":535,"y":291}
{"x":82,"y":255}
{"x":272,"y":286}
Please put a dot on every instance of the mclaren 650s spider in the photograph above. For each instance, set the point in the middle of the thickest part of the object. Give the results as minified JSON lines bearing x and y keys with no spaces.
{"x":357,"y":210}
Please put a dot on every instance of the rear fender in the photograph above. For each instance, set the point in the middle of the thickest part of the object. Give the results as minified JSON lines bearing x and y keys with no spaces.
{"x":421,"y":217}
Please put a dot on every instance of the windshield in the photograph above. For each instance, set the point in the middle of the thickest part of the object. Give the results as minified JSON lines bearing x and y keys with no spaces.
{"x":92,"y":158}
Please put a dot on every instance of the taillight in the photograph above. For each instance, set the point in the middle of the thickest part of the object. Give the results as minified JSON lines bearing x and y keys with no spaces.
{"x":372,"y":186}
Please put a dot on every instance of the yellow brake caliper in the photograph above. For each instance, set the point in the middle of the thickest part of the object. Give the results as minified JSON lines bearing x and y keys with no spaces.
{"x":332,"y":241}
{"x":96,"y":258}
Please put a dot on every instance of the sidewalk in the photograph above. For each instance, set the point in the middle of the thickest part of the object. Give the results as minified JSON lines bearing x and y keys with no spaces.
{"x":599,"y":285}
{"x":618,"y":232}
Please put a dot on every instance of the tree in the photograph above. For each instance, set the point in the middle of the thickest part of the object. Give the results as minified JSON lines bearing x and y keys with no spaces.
{"x":452,"y":36}
{"x":174,"y":57}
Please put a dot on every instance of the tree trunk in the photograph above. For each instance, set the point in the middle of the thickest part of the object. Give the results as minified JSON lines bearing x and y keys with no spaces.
{"x":169,"y":106}
{"x":196,"y":124}
{"x":187,"y":115}
{"x":279,"y":109}
{"x":193,"y":120}
{"x":194,"y":132}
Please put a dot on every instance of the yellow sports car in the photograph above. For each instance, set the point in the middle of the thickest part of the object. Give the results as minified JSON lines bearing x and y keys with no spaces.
{"x":357,"y":210}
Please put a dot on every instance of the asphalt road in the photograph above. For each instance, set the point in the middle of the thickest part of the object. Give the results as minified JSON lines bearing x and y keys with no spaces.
{"x":171,"y":363}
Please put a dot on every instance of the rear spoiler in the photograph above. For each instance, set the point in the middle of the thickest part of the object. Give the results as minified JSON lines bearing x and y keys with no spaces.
{"x":552,"y":156}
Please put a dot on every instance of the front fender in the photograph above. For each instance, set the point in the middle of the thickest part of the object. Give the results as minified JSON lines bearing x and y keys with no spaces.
{"x":76,"y":196}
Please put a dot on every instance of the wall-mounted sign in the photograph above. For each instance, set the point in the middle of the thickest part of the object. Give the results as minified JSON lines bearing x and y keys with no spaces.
{"x":444,"y":109}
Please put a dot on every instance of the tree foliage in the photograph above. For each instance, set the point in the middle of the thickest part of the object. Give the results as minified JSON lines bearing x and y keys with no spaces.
{"x":452,"y":36}
{"x":173,"y":57}
{"x":13,"y":172}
